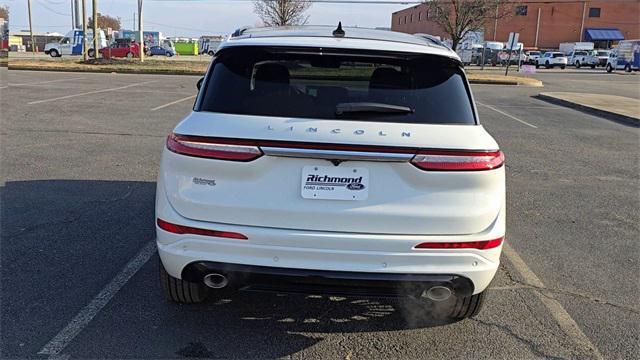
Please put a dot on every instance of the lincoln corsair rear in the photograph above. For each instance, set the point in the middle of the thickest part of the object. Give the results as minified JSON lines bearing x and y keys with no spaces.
{"x":324,"y":161}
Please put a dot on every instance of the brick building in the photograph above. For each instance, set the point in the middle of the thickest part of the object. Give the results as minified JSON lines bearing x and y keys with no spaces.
{"x":543,"y":23}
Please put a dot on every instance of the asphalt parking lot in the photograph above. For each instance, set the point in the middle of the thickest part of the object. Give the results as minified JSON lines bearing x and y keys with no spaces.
{"x":79,"y":273}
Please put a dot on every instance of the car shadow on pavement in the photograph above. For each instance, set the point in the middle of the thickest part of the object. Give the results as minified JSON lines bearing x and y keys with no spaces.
{"x":247,"y":324}
{"x":79,"y":234}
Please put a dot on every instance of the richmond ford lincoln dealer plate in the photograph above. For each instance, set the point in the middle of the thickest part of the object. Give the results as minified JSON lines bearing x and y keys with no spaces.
{"x":335,"y":183}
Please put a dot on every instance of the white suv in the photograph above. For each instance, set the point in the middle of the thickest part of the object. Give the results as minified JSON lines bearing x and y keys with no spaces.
{"x":341,"y":162}
{"x":552,"y":59}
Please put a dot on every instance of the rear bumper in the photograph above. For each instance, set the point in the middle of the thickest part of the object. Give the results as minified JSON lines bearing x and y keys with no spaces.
{"x":387,"y":258}
{"x":382,"y":257}
{"x":262,"y":278}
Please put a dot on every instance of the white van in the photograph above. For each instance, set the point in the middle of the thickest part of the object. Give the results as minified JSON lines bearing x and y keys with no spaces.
{"x":71,"y":44}
{"x":625,"y":57}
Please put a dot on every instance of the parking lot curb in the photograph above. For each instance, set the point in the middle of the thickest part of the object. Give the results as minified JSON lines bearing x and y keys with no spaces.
{"x":108,"y":70}
{"x":472,"y":80}
{"x":536,"y":83}
{"x":629,"y":120}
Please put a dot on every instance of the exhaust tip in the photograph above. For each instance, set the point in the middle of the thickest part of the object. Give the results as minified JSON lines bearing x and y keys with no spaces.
{"x":216,"y":281}
{"x":437,"y":293}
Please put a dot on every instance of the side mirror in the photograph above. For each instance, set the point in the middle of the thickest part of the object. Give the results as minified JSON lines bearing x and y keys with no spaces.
{"x":199,"y":83}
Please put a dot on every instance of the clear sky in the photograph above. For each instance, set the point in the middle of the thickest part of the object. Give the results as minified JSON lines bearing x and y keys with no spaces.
{"x":191,"y":17}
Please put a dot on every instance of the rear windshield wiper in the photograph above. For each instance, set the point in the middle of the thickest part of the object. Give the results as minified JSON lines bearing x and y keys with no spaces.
{"x":371,"y":107}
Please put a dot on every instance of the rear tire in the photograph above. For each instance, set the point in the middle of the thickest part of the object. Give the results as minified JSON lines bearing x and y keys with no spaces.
{"x":562,"y":67}
{"x":593,"y":66}
{"x":180,"y":291}
{"x":91,"y":53}
{"x":577,"y":64}
{"x":609,"y":68}
{"x":210,"y":53}
{"x":129,"y":55}
{"x":467,"y":307}
{"x":54,"y":53}
{"x":627,"y":68}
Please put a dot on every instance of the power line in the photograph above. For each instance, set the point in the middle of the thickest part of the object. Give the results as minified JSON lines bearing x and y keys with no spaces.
{"x":50,"y":9}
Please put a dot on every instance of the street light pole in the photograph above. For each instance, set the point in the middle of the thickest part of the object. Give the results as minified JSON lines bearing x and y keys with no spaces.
{"x":84,"y":30}
{"x":95,"y":29}
{"x":33,"y":44}
{"x":140,"y":31}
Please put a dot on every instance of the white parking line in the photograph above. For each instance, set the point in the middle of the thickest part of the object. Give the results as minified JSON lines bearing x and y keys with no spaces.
{"x":560,"y":315}
{"x":84,"y":317}
{"x":505,"y":114}
{"x":90,"y":92}
{"x":173,"y":102}
{"x":46,"y":82}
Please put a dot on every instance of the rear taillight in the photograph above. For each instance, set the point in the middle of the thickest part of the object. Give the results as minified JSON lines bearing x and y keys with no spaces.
{"x":480,"y":245}
{"x":439,"y":160}
{"x":212,"y":148}
{"x":181,"y":229}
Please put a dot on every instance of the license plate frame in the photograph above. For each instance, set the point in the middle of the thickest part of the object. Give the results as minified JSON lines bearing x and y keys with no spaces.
{"x":334,"y":183}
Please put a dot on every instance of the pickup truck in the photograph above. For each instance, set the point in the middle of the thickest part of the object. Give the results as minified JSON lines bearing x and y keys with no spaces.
{"x":582,"y":58}
{"x":533,"y":56}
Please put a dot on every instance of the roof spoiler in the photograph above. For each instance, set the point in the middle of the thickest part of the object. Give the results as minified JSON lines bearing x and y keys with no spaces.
{"x":240,"y":31}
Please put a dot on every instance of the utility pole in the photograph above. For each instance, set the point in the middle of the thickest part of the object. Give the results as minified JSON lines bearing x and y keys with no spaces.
{"x":84,"y":30}
{"x":33,"y":43}
{"x":73,"y":18}
{"x":95,"y":29}
{"x":535,"y":44}
{"x":140,"y":32}
{"x":134,"y":21}
{"x":495,"y":24}
{"x":584,"y":14}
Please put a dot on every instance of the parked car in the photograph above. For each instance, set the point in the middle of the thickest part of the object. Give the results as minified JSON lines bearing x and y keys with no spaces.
{"x":346,"y":161}
{"x":625,"y":57}
{"x":161,"y":51}
{"x":603,"y":56}
{"x":552,"y":59}
{"x":126,"y":49}
{"x":533,"y":56}
{"x":580,"y":58}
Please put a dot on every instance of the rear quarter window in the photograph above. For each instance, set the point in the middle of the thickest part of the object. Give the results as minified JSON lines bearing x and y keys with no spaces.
{"x":304,"y":83}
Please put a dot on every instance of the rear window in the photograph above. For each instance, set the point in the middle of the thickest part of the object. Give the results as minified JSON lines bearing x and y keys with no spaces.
{"x":337,"y":84}
{"x":557,"y":55}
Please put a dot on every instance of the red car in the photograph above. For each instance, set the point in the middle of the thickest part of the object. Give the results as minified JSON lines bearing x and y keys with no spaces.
{"x":119,"y":49}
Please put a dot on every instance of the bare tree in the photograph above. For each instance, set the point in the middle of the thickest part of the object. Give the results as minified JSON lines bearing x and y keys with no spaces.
{"x":106,"y":21}
{"x":458,"y":17}
{"x":4,"y":12}
{"x":282,"y":12}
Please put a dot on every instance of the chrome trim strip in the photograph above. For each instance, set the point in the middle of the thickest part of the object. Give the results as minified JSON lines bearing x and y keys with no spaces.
{"x":336,"y":154}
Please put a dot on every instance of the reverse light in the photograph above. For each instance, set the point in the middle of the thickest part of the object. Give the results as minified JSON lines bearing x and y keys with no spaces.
{"x":480,"y":245}
{"x":445,"y":160}
{"x":213,"y":148}
{"x":181,"y":229}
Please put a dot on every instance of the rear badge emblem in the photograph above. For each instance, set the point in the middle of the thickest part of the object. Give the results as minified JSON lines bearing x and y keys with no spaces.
{"x":355,"y":186}
{"x":201,"y":181}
